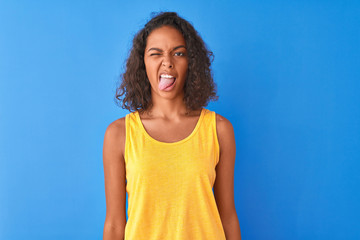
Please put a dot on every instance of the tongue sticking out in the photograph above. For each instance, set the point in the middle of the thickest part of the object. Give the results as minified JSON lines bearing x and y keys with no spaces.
{"x":165,"y":82}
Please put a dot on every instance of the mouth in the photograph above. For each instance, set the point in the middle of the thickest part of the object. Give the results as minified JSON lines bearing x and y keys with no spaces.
{"x":166,"y":81}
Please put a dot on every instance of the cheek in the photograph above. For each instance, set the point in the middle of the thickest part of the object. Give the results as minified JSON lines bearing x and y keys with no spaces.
{"x":183,"y":67}
{"x":151,"y":69}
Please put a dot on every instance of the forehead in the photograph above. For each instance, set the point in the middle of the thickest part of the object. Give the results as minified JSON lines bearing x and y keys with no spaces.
{"x":165,"y":36}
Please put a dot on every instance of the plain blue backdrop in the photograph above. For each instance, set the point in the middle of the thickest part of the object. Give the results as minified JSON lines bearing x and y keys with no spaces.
{"x":288,"y":79}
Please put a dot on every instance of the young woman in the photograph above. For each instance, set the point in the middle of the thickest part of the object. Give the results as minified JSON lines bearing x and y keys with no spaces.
{"x":173,"y":157}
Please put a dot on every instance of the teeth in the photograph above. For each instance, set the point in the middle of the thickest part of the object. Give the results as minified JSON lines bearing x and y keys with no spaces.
{"x":166,"y":76}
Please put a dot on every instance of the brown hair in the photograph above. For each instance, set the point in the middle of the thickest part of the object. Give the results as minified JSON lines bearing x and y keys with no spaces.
{"x":199,"y":87}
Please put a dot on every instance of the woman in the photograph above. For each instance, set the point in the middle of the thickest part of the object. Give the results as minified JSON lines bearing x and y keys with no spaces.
{"x":170,"y":151}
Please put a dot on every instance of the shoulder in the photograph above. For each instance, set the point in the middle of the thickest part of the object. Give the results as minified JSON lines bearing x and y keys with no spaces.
{"x":223,"y":125}
{"x":225,"y":132}
{"x":115,"y":134}
{"x":115,"y":128}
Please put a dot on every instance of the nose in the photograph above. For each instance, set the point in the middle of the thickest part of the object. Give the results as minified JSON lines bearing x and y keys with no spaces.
{"x":167,"y":62}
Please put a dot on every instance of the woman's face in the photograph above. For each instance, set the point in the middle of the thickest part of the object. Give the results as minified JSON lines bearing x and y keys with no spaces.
{"x":166,"y":61}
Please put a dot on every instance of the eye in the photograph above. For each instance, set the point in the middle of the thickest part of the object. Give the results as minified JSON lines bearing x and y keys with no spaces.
{"x":179,"y":54}
{"x":154,"y":54}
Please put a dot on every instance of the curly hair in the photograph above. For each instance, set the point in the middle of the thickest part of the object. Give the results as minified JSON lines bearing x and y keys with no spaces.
{"x":199,"y":87}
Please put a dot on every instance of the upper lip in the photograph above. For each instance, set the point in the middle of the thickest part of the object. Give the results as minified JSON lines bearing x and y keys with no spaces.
{"x":166,"y":73}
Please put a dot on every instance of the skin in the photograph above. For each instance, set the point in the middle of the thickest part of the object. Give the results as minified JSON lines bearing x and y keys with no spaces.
{"x":167,"y":121}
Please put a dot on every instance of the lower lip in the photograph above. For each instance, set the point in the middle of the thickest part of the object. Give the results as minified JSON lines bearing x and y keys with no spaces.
{"x":170,"y":87}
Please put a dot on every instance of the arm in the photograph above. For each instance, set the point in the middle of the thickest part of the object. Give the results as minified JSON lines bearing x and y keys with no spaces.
{"x":115,"y":178}
{"x":224,"y":182}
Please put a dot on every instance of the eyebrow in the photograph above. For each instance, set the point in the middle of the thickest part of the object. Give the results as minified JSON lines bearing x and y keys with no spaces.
{"x":160,"y":50}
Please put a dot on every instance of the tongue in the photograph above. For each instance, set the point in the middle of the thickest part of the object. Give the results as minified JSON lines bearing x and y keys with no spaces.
{"x":165,"y":82}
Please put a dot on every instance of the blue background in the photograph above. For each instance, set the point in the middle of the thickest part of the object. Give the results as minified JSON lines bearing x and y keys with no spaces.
{"x":288,"y":80}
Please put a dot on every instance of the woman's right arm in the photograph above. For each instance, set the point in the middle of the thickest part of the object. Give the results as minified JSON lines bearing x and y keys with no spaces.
{"x":115,"y":180}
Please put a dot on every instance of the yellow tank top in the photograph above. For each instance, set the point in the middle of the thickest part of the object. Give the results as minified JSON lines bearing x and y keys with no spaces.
{"x":170,"y":185}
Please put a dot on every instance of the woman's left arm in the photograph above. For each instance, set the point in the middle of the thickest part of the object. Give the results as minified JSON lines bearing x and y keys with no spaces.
{"x":224,"y":182}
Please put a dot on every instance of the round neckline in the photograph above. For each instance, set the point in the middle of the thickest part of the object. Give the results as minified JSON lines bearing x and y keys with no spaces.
{"x":202,"y":113}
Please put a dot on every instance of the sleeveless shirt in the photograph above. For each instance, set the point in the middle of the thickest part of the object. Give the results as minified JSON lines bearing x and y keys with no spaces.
{"x":170,"y":185}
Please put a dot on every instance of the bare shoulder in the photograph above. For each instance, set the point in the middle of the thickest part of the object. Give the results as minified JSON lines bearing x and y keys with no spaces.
{"x":115,"y":136}
{"x":225,"y":133}
{"x":116,"y":126}
{"x":223,"y":126}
